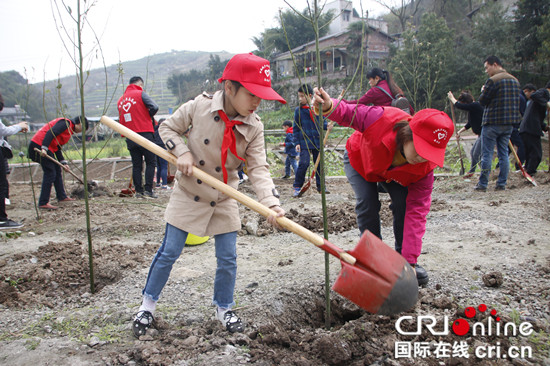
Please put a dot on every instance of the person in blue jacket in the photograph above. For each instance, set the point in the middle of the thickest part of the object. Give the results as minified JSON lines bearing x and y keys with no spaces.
{"x":290,"y":150}
{"x":306,"y":137}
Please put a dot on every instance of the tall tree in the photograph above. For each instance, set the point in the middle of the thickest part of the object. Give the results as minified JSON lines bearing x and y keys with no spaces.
{"x":543,"y":54}
{"x":419,"y":65}
{"x":404,"y":11}
{"x":297,"y":27}
{"x":529,"y":17}
{"x":16,"y":90}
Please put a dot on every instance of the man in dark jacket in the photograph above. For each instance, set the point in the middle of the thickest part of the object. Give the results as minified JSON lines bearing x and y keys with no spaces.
{"x":136,"y":110}
{"x":532,"y":127}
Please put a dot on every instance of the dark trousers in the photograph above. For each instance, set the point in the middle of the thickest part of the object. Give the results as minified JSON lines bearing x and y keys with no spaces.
{"x":138,"y":154}
{"x":303,"y":164}
{"x":533,"y":152}
{"x":162,"y":171}
{"x":518,"y":141}
{"x":51,"y":175}
{"x":367,"y":204}
{"x":3,"y":190}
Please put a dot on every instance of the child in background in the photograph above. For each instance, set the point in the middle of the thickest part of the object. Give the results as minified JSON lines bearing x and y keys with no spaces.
{"x":223,"y":122}
{"x":306,"y":137}
{"x":162,"y":165}
{"x":290,"y":150}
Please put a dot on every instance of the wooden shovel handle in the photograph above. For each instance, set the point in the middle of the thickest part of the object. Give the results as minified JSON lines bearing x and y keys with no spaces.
{"x":224,"y":188}
{"x":61,"y":165}
{"x":523,"y":172}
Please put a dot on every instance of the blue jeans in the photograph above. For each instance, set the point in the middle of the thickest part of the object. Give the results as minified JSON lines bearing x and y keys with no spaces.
{"x":290,"y":161}
{"x":169,"y":252}
{"x":475,"y":153}
{"x":492,"y":135}
{"x":367,"y":204}
{"x":162,"y":171}
{"x":302,"y":168}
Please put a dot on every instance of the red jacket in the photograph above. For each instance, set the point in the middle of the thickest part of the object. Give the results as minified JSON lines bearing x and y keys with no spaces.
{"x":132,"y":111}
{"x":371,"y":152}
{"x":59,"y":139}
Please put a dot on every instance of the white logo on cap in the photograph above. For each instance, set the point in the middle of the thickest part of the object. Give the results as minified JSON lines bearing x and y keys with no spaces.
{"x":267,"y":72}
{"x":441,"y":135}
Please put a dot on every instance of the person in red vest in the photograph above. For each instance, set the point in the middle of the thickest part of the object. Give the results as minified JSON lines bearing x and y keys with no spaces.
{"x":399,"y":151}
{"x":49,"y":140}
{"x":136,"y":110}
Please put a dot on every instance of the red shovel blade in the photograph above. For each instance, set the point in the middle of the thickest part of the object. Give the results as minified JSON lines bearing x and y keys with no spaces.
{"x":381,"y":281}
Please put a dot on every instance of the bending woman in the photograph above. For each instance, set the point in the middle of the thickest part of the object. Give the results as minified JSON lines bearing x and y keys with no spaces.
{"x":400,"y":152}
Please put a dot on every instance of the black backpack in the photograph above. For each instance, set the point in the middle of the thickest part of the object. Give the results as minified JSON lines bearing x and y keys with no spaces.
{"x":400,"y":102}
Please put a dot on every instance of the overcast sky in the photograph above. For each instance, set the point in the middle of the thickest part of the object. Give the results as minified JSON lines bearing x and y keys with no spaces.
{"x":132,"y":29}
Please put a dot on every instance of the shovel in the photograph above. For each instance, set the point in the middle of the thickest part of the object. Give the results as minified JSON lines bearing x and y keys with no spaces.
{"x":373,"y":276}
{"x":61,"y":165}
{"x":525,"y":174}
{"x":128,"y":192}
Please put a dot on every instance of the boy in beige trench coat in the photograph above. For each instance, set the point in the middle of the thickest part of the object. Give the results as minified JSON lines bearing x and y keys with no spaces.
{"x":225,"y":132}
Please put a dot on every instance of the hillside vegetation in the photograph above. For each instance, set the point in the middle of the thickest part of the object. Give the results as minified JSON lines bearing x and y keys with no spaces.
{"x":104,"y":87}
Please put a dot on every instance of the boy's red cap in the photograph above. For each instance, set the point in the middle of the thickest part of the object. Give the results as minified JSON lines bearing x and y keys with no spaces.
{"x":431,"y":130}
{"x":253,"y":73}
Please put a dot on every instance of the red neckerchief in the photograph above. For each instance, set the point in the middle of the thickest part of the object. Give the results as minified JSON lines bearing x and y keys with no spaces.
{"x":310,"y":112}
{"x":229,"y":141}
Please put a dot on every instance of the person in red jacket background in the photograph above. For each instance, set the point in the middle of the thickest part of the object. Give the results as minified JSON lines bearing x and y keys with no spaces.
{"x":49,"y":140}
{"x":136,"y":110}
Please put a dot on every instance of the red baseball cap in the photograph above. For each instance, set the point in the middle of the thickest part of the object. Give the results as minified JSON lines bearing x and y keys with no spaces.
{"x":431,"y":130}
{"x":253,"y":73}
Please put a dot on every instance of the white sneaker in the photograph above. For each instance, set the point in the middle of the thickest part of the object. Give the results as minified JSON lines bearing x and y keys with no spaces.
{"x":8,"y":202}
{"x":229,"y":320}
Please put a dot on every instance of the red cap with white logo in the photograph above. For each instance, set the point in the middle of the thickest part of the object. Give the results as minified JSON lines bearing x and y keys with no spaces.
{"x":431,"y":130}
{"x":253,"y":73}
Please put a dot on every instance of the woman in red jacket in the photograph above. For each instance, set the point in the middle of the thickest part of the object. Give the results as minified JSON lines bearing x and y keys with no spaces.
{"x":400,"y":152}
{"x":382,"y":89}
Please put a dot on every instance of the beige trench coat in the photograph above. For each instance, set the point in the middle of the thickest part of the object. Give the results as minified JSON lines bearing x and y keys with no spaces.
{"x":194,"y":206}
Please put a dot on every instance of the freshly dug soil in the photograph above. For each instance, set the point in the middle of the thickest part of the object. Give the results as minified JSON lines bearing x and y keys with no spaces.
{"x":483,"y":251}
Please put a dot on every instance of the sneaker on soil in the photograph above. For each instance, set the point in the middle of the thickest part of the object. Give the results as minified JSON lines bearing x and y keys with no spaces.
{"x":9,"y":224}
{"x":296,"y":192}
{"x":166,"y":188}
{"x":229,"y":320}
{"x":480,"y":188}
{"x":142,"y":321}
{"x":151,"y":194}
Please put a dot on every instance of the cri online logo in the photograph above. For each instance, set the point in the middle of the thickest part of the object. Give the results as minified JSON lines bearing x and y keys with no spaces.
{"x":461,"y":326}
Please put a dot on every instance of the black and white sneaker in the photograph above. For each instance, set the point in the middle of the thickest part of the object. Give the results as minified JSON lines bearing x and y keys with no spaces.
{"x":10,"y":224}
{"x":142,"y":321}
{"x":230,"y":320}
